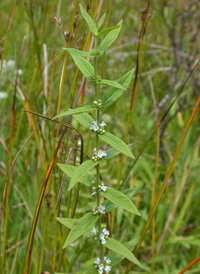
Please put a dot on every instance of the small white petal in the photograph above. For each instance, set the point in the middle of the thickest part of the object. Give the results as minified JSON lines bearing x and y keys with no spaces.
{"x":101,"y":236}
{"x":103,"y":124}
{"x":97,"y":261}
{"x":101,"y":209}
{"x":108,"y":261}
{"x":107,"y":269}
{"x":101,"y":266}
{"x":94,"y":231}
{"x":105,"y":232}
{"x":104,"y":188}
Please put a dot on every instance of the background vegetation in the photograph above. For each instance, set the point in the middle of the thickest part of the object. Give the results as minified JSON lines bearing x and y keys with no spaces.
{"x":32,"y":60}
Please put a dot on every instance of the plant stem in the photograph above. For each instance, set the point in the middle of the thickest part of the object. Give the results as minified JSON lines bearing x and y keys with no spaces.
{"x":97,"y":146}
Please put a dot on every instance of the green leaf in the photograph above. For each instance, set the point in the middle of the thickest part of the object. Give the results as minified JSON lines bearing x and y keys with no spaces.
{"x":101,"y":20}
{"x":119,"y":248}
{"x":110,"y":83}
{"x":70,"y":170}
{"x":91,"y":270}
{"x":74,"y":111}
{"x":89,"y":20}
{"x":79,"y":52}
{"x":68,"y":222}
{"x":109,"y":39}
{"x":81,"y":171}
{"x":87,"y":267}
{"x":83,"y":224}
{"x":106,"y":31}
{"x":85,"y":67}
{"x":116,"y":258}
{"x":110,"y":206}
{"x":117,"y":143}
{"x":112,"y":94}
{"x":111,"y":152}
{"x":84,"y":119}
{"x":120,"y":199}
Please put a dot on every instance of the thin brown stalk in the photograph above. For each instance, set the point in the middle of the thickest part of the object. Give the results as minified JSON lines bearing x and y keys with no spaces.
{"x":5,"y":147}
{"x":11,"y":169}
{"x":14,"y":261}
{"x":7,"y":184}
{"x":190,"y":265}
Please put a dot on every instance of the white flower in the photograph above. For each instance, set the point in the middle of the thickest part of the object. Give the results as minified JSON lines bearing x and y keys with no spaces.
{"x":93,"y":193}
{"x":101,"y":266}
{"x":105,"y":232}
{"x":107,"y":269}
{"x":107,"y":260}
{"x":94,"y":126}
{"x":97,"y":261}
{"x":101,"y":153}
{"x":103,"y":188}
{"x":103,"y":240}
{"x":101,"y":236}
{"x":103,"y":124}
{"x":94,"y":231}
{"x":101,"y":209}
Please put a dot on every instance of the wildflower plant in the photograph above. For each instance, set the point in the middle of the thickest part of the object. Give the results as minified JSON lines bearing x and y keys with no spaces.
{"x":91,"y":224}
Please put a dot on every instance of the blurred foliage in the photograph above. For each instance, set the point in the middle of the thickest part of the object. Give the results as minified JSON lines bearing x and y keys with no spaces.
{"x":170,"y":51}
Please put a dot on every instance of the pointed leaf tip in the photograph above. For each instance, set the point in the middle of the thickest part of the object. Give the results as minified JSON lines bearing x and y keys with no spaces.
{"x":116,"y":143}
{"x":120,"y":199}
{"x":79,"y":227}
{"x":85,"y":67}
{"x":89,"y":20}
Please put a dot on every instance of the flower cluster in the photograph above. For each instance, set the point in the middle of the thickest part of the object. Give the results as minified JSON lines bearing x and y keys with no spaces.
{"x":101,"y":187}
{"x":104,"y":235}
{"x":98,"y":104}
{"x":100,"y":209}
{"x":101,"y":267}
{"x":98,"y":155}
{"x":98,"y":128}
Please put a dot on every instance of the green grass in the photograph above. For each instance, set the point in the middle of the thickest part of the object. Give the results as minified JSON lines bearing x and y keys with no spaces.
{"x":168,"y":54}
